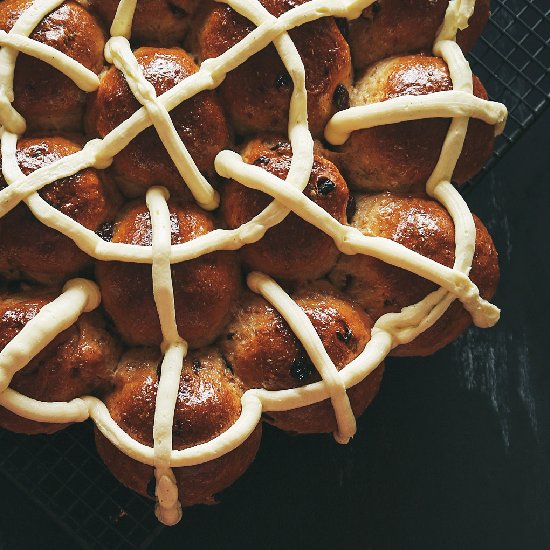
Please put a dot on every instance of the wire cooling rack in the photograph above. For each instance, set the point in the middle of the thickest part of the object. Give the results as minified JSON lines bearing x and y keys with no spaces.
{"x":63,"y":474}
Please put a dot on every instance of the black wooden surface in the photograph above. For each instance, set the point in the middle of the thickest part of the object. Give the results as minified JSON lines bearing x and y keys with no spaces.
{"x":455,"y":453}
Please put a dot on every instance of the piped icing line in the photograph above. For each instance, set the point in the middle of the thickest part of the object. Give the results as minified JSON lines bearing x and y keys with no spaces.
{"x":300,"y":137}
{"x":45,"y":411}
{"x":124,"y":16}
{"x":224,"y":443}
{"x":168,"y":507}
{"x":89,"y":156}
{"x":447,"y":104}
{"x":301,"y":326}
{"x":351,"y":241}
{"x":99,"y":153}
{"x":25,"y":25}
{"x":456,"y":18}
{"x":79,"y":296}
{"x":119,"y":52}
{"x":85,"y":79}
{"x":439,"y":185}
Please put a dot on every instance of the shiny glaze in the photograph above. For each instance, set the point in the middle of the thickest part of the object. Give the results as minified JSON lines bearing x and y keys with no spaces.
{"x":401,"y":157}
{"x":204,"y":289}
{"x":391,"y":27}
{"x":42,"y":253}
{"x":423,"y":225}
{"x":208,"y":404}
{"x":293,"y":249}
{"x":80,"y":361}
{"x":200,"y":122}
{"x":264,"y":353}
{"x":163,"y":22}
{"x":43,"y":95}
{"x":257,"y":94}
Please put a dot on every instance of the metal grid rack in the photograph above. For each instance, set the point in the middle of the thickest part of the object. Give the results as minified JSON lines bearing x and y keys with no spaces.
{"x":63,"y":474}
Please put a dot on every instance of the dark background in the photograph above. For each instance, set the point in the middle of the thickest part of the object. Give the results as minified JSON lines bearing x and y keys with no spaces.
{"x":455,"y":452}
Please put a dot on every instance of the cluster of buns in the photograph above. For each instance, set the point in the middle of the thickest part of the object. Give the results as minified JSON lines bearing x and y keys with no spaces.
{"x":374,"y":182}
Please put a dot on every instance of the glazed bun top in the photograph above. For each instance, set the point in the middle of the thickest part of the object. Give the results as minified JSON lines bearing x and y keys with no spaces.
{"x":293,"y":249}
{"x":264,"y":353}
{"x":70,"y":29}
{"x":79,"y":361}
{"x":401,"y":157}
{"x":406,"y":75}
{"x":257,"y":94}
{"x":421,"y":224}
{"x":158,"y":22}
{"x":31,"y":250}
{"x":199,"y":121}
{"x":208,"y":403}
{"x":45,"y":97}
{"x":84,"y":196}
{"x":188,"y":222}
{"x":390,"y":27}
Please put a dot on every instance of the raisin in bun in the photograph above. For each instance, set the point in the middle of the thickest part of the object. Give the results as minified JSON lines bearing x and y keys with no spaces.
{"x":390,"y":27}
{"x":293,"y":249}
{"x":199,"y":121}
{"x":155,"y":22}
{"x":423,"y":225}
{"x":208,"y":403}
{"x":30,"y":249}
{"x":264,"y":353}
{"x":257,"y":93}
{"x":79,"y":361}
{"x":401,"y":157}
{"x":46,"y":98}
{"x":204,"y":288}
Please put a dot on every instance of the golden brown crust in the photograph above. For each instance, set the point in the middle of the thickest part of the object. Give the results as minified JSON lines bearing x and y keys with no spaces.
{"x":294,"y":249}
{"x":390,"y":27}
{"x":199,"y":121}
{"x":204,"y":289}
{"x":423,"y":225}
{"x":45,"y":97}
{"x":257,"y":93}
{"x":208,"y":403}
{"x":30,"y":248}
{"x":79,"y":361}
{"x":401,"y":157}
{"x":264,"y":353}
{"x":155,"y":22}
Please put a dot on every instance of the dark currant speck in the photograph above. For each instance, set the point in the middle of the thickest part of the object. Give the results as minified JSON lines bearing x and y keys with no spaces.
{"x":230,"y":335}
{"x":302,"y":368}
{"x":105,"y":231}
{"x":177,"y":11}
{"x":261,"y":160}
{"x":196,"y":365}
{"x":346,"y":335}
{"x":325,"y":186}
{"x":151,"y":487}
{"x":340,"y":98}
{"x":351,"y":208}
{"x":388,"y":303}
{"x":348,"y":283}
{"x":277,"y":146}
{"x":283,"y":81}
{"x":375,"y":7}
